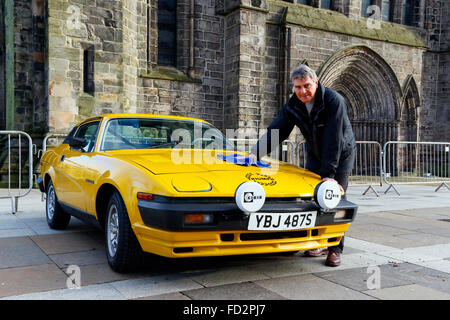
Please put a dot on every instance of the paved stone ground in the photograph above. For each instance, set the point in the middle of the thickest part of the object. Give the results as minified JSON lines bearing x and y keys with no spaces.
{"x":397,"y":248}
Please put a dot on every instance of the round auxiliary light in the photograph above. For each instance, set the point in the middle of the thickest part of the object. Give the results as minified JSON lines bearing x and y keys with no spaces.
{"x":327,"y":194}
{"x":250,"y":196}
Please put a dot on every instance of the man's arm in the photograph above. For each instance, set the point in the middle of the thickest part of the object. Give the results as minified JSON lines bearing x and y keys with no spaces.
{"x":332,"y":138}
{"x":278,"y":131}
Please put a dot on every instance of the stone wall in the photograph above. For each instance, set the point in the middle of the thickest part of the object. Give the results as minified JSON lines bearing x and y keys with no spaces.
{"x":2,"y":71}
{"x":195,"y":86}
{"x":74,"y":28}
{"x":234,"y":59}
{"x":23,"y":59}
{"x":443,"y":95}
{"x":435,"y":111}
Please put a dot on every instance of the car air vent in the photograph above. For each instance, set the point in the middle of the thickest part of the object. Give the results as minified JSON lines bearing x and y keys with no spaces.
{"x":273,"y":235}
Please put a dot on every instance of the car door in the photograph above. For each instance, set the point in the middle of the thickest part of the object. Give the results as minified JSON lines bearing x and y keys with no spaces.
{"x":72,"y":167}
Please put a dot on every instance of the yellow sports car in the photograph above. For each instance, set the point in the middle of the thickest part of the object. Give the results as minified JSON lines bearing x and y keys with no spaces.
{"x":176,"y":187}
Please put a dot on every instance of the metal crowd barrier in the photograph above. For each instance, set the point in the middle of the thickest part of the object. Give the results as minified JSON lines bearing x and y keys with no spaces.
{"x":46,"y":140}
{"x":409,"y":162}
{"x":6,"y":154}
{"x":368,"y":165}
{"x":367,"y":168}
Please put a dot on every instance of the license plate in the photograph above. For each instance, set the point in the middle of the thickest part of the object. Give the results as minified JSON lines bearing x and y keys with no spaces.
{"x":282,"y":221}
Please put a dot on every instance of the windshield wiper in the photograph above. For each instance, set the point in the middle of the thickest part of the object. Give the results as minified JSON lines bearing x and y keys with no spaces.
{"x":167,"y":144}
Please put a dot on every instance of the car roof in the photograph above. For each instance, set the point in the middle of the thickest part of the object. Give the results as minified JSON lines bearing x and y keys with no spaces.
{"x":138,"y":115}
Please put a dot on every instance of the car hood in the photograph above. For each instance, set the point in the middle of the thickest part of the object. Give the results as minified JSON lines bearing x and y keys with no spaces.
{"x":200,"y":171}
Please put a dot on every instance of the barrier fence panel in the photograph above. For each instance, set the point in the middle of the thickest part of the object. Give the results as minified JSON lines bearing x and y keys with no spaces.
{"x":368,"y":165}
{"x":52,"y":139}
{"x":12,"y":162}
{"x":409,"y":162}
{"x":367,"y":168}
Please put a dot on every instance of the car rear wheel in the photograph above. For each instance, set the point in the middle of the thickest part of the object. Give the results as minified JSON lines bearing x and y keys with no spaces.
{"x":122,"y":247}
{"x":56,"y":217}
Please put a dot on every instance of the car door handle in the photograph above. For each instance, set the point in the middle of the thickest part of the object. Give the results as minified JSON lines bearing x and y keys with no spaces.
{"x":63,"y":157}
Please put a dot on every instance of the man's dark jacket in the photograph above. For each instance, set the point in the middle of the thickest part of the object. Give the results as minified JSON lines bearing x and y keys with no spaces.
{"x":330,"y":142}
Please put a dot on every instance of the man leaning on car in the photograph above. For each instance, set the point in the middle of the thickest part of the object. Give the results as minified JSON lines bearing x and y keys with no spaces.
{"x":321,"y":115}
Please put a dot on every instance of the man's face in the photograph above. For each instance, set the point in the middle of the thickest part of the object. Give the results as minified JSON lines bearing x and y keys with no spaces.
{"x":305,"y":89}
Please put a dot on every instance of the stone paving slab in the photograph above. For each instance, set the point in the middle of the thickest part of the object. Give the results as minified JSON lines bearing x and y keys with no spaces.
{"x":157,"y":285}
{"x":65,"y":243}
{"x":437,"y":232}
{"x":375,"y":238}
{"x":408,"y":292}
{"x":240,"y":291}
{"x":10,"y":233}
{"x":439,"y":250}
{"x":210,"y":278}
{"x":94,"y":292}
{"x":366,"y":246}
{"x":83,"y":258}
{"x":357,"y":278}
{"x":425,"y":239}
{"x":168,"y":296}
{"x":101,"y":273}
{"x":20,"y":252}
{"x":383,"y":239}
{"x":408,"y":255}
{"x":11,"y":222}
{"x":17,"y":281}
{"x":442,"y":265}
{"x":417,"y":274}
{"x":310,"y":287}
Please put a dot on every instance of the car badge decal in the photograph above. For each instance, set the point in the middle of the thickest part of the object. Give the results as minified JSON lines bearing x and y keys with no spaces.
{"x":262,"y":179}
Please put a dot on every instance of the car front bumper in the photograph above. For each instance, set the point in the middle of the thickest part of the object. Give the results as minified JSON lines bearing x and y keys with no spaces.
{"x":165,"y":233}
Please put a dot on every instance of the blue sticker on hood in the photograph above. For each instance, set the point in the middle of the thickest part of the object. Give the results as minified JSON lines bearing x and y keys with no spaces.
{"x":242,"y":160}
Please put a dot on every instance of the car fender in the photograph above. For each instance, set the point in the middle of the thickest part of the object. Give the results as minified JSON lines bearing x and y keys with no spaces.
{"x":128,"y":180}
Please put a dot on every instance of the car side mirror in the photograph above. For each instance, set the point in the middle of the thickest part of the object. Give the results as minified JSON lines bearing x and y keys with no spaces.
{"x":77,"y":143}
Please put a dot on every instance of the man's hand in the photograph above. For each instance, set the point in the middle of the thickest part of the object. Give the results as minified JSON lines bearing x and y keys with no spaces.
{"x":253,"y":157}
{"x":331,"y":179}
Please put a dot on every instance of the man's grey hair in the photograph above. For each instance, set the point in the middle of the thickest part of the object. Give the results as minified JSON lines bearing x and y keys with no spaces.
{"x":303,"y":71}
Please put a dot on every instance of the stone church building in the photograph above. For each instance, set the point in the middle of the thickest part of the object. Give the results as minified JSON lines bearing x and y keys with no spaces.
{"x":226,"y":61}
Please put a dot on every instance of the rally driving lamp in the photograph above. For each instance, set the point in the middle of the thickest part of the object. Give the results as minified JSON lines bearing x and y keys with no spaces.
{"x":327,"y":194}
{"x":250,"y":196}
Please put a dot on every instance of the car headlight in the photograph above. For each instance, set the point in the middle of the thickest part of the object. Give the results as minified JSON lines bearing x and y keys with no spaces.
{"x":340,"y":214}
{"x":327,"y":194}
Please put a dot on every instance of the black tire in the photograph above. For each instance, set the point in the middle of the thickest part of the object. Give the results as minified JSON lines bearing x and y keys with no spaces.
{"x":56,"y":217}
{"x":123,"y":250}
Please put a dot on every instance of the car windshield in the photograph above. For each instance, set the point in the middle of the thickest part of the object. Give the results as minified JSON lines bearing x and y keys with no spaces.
{"x":147,"y":133}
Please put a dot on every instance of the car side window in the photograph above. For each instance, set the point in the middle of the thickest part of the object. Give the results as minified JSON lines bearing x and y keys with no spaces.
{"x":88,"y":132}
{"x":70,"y":135}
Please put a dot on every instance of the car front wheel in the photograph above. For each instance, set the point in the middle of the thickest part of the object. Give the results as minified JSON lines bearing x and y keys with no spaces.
{"x":56,"y":217}
{"x":122,"y":247}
